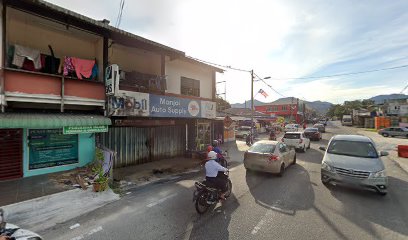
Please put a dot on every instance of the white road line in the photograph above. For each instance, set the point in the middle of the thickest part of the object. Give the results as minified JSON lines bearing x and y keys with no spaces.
{"x":261,"y":222}
{"x":95,"y":230}
{"x":161,"y":200}
{"x":257,"y":227}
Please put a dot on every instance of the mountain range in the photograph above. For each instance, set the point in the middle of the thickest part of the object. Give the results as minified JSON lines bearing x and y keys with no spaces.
{"x":319,"y":106}
{"x":381,"y":98}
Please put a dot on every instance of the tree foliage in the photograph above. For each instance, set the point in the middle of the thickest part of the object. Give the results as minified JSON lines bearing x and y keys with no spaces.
{"x":338,"y":110}
{"x":222,"y":104}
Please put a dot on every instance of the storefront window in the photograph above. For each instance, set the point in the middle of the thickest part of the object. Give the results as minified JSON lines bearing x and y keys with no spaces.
{"x":51,"y":148}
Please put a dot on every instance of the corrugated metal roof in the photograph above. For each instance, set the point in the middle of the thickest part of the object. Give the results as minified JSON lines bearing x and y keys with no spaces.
{"x":32,"y":120}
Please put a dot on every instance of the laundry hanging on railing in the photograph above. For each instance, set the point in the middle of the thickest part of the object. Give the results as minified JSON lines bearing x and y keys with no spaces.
{"x":82,"y":68}
{"x":21,"y":53}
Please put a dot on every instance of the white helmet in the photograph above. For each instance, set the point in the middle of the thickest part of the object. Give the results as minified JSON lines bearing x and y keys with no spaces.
{"x":212,"y":155}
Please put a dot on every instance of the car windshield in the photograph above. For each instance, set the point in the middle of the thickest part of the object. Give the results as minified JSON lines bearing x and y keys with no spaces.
{"x":311,"y":130}
{"x":353,"y":148}
{"x":262,"y":148}
{"x":292,"y":135}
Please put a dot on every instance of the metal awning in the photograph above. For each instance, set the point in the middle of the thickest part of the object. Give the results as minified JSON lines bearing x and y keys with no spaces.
{"x":32,"y":120}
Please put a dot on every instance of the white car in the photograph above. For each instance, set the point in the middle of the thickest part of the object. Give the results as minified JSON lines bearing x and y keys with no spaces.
{"x":291,"y":127}
{"x":298,"y":140}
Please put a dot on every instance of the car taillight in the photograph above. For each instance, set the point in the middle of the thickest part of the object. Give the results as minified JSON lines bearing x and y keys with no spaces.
{"x":301,"y":140}
{"x":273,"y":158}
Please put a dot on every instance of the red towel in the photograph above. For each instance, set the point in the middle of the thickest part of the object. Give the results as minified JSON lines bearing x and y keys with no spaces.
{"x":83,"y":67}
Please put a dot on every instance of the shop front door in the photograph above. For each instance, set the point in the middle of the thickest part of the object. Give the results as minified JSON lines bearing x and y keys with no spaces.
{"x":11,"y":153}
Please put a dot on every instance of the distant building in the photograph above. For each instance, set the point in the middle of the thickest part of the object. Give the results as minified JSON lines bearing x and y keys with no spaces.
{"x":292,"y":109}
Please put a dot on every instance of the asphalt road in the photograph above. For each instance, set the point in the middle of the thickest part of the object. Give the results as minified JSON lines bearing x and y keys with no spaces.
{"x":263,"y":206}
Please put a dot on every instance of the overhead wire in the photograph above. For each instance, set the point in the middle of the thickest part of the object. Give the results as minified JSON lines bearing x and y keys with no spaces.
{"x":341,"y":74}
{"x":263,"y":80}
{"x":119,"y":18}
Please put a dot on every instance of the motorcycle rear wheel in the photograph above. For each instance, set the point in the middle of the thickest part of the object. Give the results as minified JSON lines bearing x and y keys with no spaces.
{"x":229,"y":189}
{"x":201,"y":204}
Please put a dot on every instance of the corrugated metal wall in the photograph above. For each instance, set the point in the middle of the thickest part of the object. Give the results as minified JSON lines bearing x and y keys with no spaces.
{"x":168,"y":141}
{"x":11,"y":153}
{"x":140,"y":145}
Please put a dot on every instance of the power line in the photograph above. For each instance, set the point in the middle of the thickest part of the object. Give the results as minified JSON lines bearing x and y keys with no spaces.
{"x":405,"y":88}
{"x":341,"y":74}
{"x":220,"y":65}
{"x":261,"y":79}
{"x":119,"y":18}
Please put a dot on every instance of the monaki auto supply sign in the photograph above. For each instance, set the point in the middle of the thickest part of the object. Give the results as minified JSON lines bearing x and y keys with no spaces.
{"x":165,"y":106}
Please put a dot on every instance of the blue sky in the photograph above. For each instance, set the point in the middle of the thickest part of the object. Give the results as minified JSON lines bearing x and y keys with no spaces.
{"x":279,"y":38}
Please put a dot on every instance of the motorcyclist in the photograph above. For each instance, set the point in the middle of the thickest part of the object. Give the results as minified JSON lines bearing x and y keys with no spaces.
{"x":211,"y":171}
{"x":272,"y":135}
{"x":249,"y":139}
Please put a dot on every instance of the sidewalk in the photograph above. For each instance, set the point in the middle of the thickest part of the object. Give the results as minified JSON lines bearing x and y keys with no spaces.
{"x":39,"y":203}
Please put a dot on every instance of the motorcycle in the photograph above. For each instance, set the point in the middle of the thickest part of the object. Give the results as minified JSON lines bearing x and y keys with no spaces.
{"x":13,"y":232}
{"x":206,"y":196}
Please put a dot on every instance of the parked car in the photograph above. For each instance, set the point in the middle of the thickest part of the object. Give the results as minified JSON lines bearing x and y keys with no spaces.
{"x":394,"y":131}
{"x":298,"y":140}
{"x":291,"y":128}
{"x":354,"y":160}
{"x":320,"y":127}
{"x":269,"y":156}
{"x":242,"y":132}
{"x":313,"y":134}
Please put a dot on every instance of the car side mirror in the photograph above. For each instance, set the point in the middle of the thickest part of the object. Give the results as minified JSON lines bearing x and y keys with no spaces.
{"x":322,"y":148}
{"x":384,"y":153}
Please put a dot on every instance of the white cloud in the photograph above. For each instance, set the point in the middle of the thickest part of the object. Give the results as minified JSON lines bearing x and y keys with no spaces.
{"x":282,"y":38}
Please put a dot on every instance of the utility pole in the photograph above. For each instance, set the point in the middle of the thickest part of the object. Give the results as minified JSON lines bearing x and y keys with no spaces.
{"x":252,"y":102}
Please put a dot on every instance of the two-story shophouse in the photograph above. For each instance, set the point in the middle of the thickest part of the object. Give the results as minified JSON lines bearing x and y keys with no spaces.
{"x":56,"y":97}
{"x":160,"y":106}
{"x":292,"y":109}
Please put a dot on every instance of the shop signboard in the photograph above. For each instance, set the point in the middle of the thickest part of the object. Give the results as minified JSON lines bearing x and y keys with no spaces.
{"x":112,"y":77}
{"x":51,"y":148}
{"x":165,"y":106}
{"x":127,"y":103}
{"x":208,"y":109}
{"x":85,"y":129}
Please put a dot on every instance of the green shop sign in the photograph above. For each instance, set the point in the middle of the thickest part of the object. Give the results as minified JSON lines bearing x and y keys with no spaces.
{"x":85,"y":129}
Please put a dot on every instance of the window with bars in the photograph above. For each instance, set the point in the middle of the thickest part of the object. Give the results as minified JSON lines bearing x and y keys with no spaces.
{"x":190,"y":87}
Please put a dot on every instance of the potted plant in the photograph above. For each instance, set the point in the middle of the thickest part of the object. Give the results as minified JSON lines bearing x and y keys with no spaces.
{"x":101,"y":181}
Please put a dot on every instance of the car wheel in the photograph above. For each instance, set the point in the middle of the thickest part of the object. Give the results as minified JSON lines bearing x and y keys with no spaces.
{"x":282,"y":170}
{"x":385,"y":134}
{"x":294,"y":160}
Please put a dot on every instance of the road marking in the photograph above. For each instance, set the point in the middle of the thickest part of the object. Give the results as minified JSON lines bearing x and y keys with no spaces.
{"x":161,"y":200}
{"x":95,"y":230}
{"x":257,"y":227}
{"x":261,"y":222}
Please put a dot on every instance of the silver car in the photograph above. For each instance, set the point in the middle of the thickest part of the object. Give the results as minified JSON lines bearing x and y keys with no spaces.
{"x":269,"y":156}
{"x":394,"y":131}
{"x":354,"y":160}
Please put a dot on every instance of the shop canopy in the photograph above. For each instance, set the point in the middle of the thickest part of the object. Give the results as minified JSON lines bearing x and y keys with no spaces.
{"x":31,"y":120}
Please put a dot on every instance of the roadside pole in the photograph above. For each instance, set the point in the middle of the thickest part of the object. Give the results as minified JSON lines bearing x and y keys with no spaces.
{"x":252,"y":105}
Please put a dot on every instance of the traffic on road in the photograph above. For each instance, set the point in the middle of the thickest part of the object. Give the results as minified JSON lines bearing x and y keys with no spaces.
{"x":328,"y":192}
